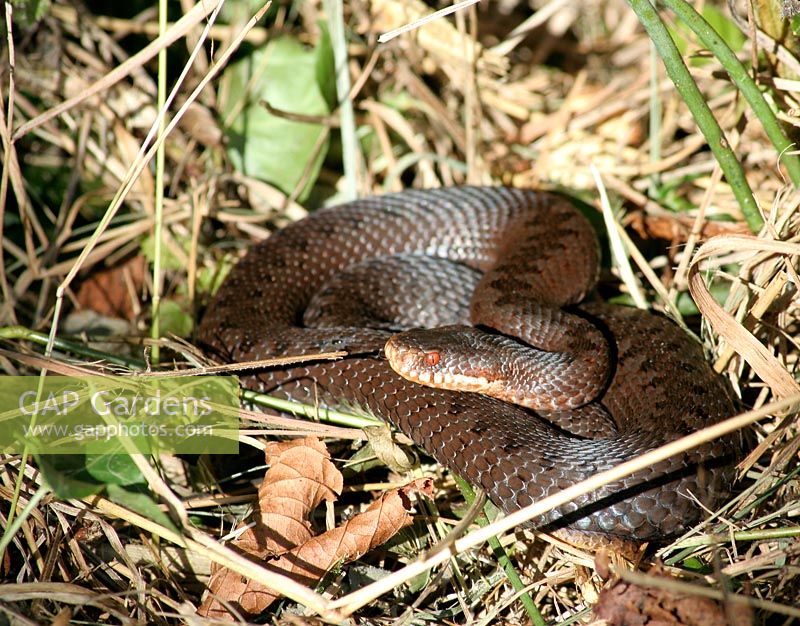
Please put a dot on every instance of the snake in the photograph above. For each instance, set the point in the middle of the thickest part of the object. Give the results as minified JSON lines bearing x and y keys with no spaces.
{"x":469,"y":323}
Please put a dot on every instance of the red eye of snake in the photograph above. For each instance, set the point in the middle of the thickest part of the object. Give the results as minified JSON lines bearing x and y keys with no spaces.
{"x":432,"y":358}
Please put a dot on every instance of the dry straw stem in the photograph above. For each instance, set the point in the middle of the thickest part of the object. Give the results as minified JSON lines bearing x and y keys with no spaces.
{"x":694,"y":235}
{"x":66,"y":593}
{"x":180,"y":29}
{"x":142,"y":160}
{"x":763,"y":362}
{"x":221,"y":32}
{"x":11,"y":167}
{"x":424,"y":20}
{"x":244,"y":366}
{"x":617,"y":245}
{"x":216,"y":552}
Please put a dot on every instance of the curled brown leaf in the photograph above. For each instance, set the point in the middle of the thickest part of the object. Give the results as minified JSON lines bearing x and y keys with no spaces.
{"x":300,"y":477}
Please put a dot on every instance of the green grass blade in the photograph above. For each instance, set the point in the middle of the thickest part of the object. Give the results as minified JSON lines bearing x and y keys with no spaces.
{"x":741,"y":77}
{"x":684,"y":83}
{"x":503,"y":559}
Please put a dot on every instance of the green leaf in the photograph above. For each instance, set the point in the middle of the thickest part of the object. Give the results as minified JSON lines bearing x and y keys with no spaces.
{"x":169,"y":260}
{"x":240,"y":11}
{"x":401,"y":100}
{"x":693,"y":564}
{"x":28,"y":12}
{"x":139,"y":500}
{"x":173,"y":319}
{"x":209,"y":279}
{"x":66,"y":475}
{"x":325,"y":67}
{"x":114,"y":469}
{"x":686,"y":304}
{"x":280,"y":151}
{"x":724,"y":26}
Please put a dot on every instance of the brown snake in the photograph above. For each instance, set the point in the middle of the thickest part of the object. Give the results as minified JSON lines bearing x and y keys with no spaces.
{"x":601,"y":383}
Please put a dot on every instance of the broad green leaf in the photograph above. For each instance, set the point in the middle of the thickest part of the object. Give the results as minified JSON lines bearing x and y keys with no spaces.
{"x":283,"y":152}
{"x":113,"y":469}
{"x":139,"y":500}
{"x":173,"y":319}
{"x":66,"y":475}
{"x":169,"y":260}
{"x":28,"y":12}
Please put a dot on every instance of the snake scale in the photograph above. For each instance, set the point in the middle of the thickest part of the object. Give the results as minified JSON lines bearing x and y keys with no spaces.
{"x":602,"y":383}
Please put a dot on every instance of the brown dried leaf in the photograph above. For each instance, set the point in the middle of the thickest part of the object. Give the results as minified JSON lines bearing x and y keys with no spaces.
{"x":309,"y":562}
{"x":627,"y":604}
{"x":300,"y":476}
{"x":111,"y":291}
{"x":677,"y":228}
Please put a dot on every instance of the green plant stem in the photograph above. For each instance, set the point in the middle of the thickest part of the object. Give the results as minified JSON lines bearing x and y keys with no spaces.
{"x":26,"y":334}
{"x":503,"y":559}
{"x":684,"y":83}
{"x":765,"y":534}
{"x":741,"y":77}
{"x":335,"y":10}
{"x":155,"y":328}
{"x":329,"y":416}
{"x":655,"y":116}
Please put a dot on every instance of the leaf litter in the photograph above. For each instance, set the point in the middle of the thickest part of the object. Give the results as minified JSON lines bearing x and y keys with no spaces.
{"x":300,"y":477}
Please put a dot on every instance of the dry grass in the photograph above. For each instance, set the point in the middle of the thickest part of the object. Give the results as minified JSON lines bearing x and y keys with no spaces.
{"x":539,"y":108}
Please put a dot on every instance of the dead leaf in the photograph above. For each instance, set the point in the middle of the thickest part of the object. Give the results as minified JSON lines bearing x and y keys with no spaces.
{"x":299,"y":478}
{"x":676,"y":228}
{"x":628,"y":604}
{"x":758,"y":356}
{"x":309,"y":562}
{"x":383,"y":445}
{"x":199,"y":122}
{"x":112,"y":292}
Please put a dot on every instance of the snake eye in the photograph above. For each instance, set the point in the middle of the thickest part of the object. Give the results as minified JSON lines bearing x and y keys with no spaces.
{"x":432,"y":358}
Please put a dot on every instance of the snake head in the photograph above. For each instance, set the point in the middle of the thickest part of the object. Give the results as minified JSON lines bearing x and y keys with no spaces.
{"x":466,"y":358}
{"x":458,"y":358}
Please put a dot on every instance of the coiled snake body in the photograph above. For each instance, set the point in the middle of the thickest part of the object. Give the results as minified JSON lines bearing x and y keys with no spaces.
{"x":602,"y":383}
